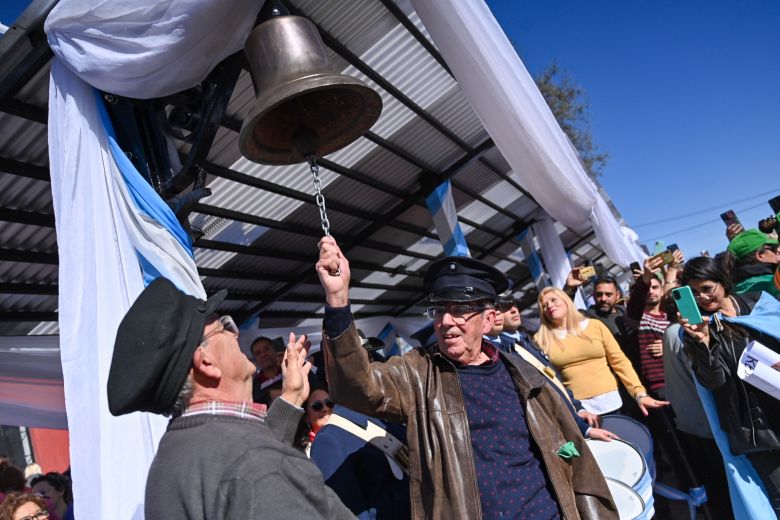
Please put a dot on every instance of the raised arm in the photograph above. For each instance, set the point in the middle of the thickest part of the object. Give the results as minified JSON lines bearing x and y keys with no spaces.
{"x":375,"y":389}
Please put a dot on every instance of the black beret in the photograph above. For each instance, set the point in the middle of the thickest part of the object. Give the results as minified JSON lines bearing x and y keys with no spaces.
{"x":154,"y":346}
{"x":463,"y":279}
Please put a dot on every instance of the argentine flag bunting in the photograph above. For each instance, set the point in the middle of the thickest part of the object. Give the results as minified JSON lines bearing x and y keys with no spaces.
{"x":445,"y":218}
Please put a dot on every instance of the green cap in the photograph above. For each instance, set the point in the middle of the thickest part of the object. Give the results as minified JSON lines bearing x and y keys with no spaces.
{"x":748,"y":242}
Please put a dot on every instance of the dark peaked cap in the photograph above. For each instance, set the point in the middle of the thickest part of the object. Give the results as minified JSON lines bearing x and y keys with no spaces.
{"x":463,"y":279}
{"x":154,"y":346}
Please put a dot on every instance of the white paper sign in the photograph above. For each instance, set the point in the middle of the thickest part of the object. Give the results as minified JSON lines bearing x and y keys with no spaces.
{"x":755,"y":368}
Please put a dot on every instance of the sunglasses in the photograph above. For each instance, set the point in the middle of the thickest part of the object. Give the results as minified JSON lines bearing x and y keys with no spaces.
{"x":317,"y":406}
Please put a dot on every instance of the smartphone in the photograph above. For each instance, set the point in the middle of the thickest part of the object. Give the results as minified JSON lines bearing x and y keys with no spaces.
{"x":634,"y":266}
{"x":774,"y":203}
{"x":586,"y":272}
{"x":666,"y":256}
{"x":659,"y":246}
{"x":686,"y":304}
{"x":730,"y":218}
{"x":672,"y":248}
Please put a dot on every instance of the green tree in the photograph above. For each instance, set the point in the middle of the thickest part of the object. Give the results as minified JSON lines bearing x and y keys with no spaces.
{"x":568,"y":104}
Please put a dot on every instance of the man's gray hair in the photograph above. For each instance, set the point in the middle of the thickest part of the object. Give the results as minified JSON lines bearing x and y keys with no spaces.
{"x":182,"y":400}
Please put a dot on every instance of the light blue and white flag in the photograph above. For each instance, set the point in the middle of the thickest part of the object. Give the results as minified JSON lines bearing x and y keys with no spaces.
{"x":540,"y":278}
{"x":445,"y":218}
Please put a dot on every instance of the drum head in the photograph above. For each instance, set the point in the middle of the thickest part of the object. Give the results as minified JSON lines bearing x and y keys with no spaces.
{"x":629,"y":504}
{"x":631,"y":431}
{"x":619,"y":460}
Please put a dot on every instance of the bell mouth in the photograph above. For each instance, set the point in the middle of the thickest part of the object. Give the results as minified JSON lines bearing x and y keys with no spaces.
{"x":338,"y":109}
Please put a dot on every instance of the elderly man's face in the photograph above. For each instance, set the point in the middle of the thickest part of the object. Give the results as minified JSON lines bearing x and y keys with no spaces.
{"x":225,"y":353}
{"x":460,"y":333}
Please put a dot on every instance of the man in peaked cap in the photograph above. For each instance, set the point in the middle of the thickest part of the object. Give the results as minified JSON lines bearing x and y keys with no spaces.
{"x":221,"y":456}
{"x":487,"y":437}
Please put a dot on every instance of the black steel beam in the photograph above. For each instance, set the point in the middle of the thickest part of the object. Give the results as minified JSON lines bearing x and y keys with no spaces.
{"x":25,"y":111}
{"x":28,"y":257}
{"x":281,"y":278}
{"x":26,"y":217}
{"x":278,"y":189}
{"x":300,"y":229}
{"x":20,"y":316}
{"x":35,"y":60}
{"x":29,"y":288}
{"x":290,"y":255}
{"x":22,"y":169}
{"x":302,"y":298}
{"x":414,"y":31}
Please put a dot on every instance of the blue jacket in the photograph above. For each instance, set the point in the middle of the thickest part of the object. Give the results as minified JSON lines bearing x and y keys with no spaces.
{"x":358,"y":472}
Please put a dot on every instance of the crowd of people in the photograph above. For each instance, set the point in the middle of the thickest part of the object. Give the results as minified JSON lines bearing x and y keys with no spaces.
{"x":484,"y":419}
{"x":31,"y":495}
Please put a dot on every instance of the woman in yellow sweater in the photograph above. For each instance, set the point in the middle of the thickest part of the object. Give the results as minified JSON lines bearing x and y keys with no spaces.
{"x":584,"y":350}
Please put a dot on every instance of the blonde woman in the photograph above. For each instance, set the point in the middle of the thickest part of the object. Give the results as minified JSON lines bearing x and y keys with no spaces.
{"x":584,"y":350}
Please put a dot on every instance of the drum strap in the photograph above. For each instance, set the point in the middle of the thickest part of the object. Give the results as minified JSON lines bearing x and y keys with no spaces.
{"x":546,"y":371}
{"x":395,"y":450}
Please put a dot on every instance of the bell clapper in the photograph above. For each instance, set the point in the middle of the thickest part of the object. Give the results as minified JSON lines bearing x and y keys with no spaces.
{"x":320,"y":198}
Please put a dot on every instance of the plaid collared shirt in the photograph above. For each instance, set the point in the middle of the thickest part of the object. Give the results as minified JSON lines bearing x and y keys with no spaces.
{"x":245,"y":410}
{"x":490,"y":350}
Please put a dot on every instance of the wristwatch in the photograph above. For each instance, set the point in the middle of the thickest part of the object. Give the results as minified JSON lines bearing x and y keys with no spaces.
{"x":639,"y":396}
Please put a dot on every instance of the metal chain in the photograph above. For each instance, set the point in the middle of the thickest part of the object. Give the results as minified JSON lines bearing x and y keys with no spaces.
{"x":319,"y":197}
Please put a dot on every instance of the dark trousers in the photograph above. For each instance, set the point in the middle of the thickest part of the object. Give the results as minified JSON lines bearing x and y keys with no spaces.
{"x":708,"y":470}
{"x":767,"y":466}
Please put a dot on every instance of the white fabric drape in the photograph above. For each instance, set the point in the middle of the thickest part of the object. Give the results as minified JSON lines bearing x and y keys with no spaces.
{"x":148,"y":48}
{"x":99,"y":277}
{"x":516,"y":116}
{"x":31,"y":391}
{"x":554,"y":255}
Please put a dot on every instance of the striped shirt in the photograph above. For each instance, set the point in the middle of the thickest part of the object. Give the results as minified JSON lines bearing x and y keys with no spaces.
{"x":651,"y":328}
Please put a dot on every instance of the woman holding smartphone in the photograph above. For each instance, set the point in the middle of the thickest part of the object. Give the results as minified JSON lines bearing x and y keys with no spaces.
{"x":750,"y":417}
{"x":583,"y":351}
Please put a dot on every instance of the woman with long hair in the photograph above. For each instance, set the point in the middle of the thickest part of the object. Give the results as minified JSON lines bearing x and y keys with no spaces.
{"x":583,"y":351}
{"x":749,"y":416}
{"x":317,"y":410}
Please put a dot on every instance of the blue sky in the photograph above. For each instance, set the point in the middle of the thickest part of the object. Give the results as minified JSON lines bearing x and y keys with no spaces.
{"x":684,"y":96}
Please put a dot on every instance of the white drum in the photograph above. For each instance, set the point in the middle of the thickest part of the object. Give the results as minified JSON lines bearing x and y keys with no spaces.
{"x":619,"y":460}
{"x":623,"y":462}
{"x":629,"y":504}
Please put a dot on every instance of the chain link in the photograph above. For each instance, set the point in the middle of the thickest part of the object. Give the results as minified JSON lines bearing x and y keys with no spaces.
{"x":319,"y":197}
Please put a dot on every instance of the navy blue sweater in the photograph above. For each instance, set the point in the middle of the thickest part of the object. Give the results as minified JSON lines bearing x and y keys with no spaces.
{"x":512,"y":483}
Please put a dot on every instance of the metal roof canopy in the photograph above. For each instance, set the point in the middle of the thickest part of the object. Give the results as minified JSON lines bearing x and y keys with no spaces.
{"x":373,"y":187}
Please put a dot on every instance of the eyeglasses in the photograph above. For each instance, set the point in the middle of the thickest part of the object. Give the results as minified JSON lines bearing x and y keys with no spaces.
{"x":228,"y":325}
{"x":705,"y":292}
{"x":42,"y":514}
{"x":458,"y":312}
{"x":317,"y":406}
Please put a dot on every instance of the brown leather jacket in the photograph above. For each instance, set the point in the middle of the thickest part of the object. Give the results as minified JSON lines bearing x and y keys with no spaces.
{"x":423,"y":390}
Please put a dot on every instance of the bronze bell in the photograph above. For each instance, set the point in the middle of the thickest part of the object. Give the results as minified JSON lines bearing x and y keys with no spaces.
{"x":303,"y":109}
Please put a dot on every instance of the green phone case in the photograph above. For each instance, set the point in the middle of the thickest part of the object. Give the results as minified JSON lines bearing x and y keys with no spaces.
{"x":686,"y":304}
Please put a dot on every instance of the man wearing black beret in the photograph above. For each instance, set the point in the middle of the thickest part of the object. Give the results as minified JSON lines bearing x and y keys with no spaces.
{"x":487,"y":436}
{"x":221,"y":456}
